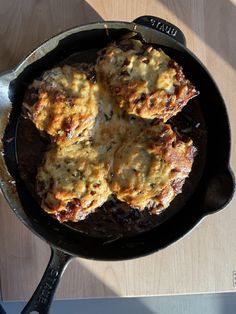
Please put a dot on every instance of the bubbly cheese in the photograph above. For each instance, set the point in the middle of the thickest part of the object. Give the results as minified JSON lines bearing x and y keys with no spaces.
{"x":65,"y":106}
{"x":149,"y":170}
{"x":104,"y":140}
{"x":144,"y":81}
{"x":72,"y":181}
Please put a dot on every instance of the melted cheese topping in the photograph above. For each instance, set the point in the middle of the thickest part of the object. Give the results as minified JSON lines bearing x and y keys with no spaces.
{"x":66,"y":105}
{"x":144,"y":81}
{"x":149,"y":170}
{"x":103,"y":139}
{"x":72,"y":181}
{"x":113,"y":126}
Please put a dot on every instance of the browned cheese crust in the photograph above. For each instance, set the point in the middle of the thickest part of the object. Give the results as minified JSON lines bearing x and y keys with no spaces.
{"x":149,"y":170}
{"x":102,"y":139}
{"x":145,"y":81}
{"x":72,"y":182}
{"x":63,"y":104}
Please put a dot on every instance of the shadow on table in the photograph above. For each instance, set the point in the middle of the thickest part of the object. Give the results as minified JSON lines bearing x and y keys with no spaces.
{"x":112,"y":305}
{"x":227,"y":303}
{"x":212,"y":303}
{"x":29,"y":23}
{"x":219,"y":20}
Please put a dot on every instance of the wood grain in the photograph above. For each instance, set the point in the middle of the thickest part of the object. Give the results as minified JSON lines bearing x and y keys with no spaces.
{"x":201,"y":262}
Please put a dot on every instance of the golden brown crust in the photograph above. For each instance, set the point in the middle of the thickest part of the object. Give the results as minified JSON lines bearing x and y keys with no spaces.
{"x":99,"y":147}
{"x":72,"y":182}
{"x":149,"y":171}
{"x":145,"y":81}
{"x":63,"y":104}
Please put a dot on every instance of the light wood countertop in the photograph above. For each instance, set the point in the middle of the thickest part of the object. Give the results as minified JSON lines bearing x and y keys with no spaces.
{"x":204,"y":260}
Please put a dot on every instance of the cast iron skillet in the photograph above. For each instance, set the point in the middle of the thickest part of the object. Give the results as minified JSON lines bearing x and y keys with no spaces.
{"x":209,"y":188}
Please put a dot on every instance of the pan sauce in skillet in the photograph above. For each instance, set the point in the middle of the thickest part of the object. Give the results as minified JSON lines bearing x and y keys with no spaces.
{"x":115,"y":218}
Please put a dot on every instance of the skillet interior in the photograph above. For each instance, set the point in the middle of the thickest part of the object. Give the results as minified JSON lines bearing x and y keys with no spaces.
{"x":115,"y":218}
{"x":186,"y":210}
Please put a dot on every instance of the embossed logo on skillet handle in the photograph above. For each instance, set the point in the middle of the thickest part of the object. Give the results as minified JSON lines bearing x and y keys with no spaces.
{"x":43,"y":295}
{"x":162,"y":26}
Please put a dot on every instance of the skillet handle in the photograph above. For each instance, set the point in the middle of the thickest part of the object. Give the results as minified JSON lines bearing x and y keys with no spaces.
{"x":43,"y":295}
{"x":162,"y":26}
{"x":219,"y":191}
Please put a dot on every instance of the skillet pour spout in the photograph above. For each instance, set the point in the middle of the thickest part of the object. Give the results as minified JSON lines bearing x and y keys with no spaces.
{"x":209,"y":188}
{"x":5,"y":102}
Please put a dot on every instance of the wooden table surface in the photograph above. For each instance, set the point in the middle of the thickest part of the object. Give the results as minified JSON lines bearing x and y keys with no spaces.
{"x":205,"y":259}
